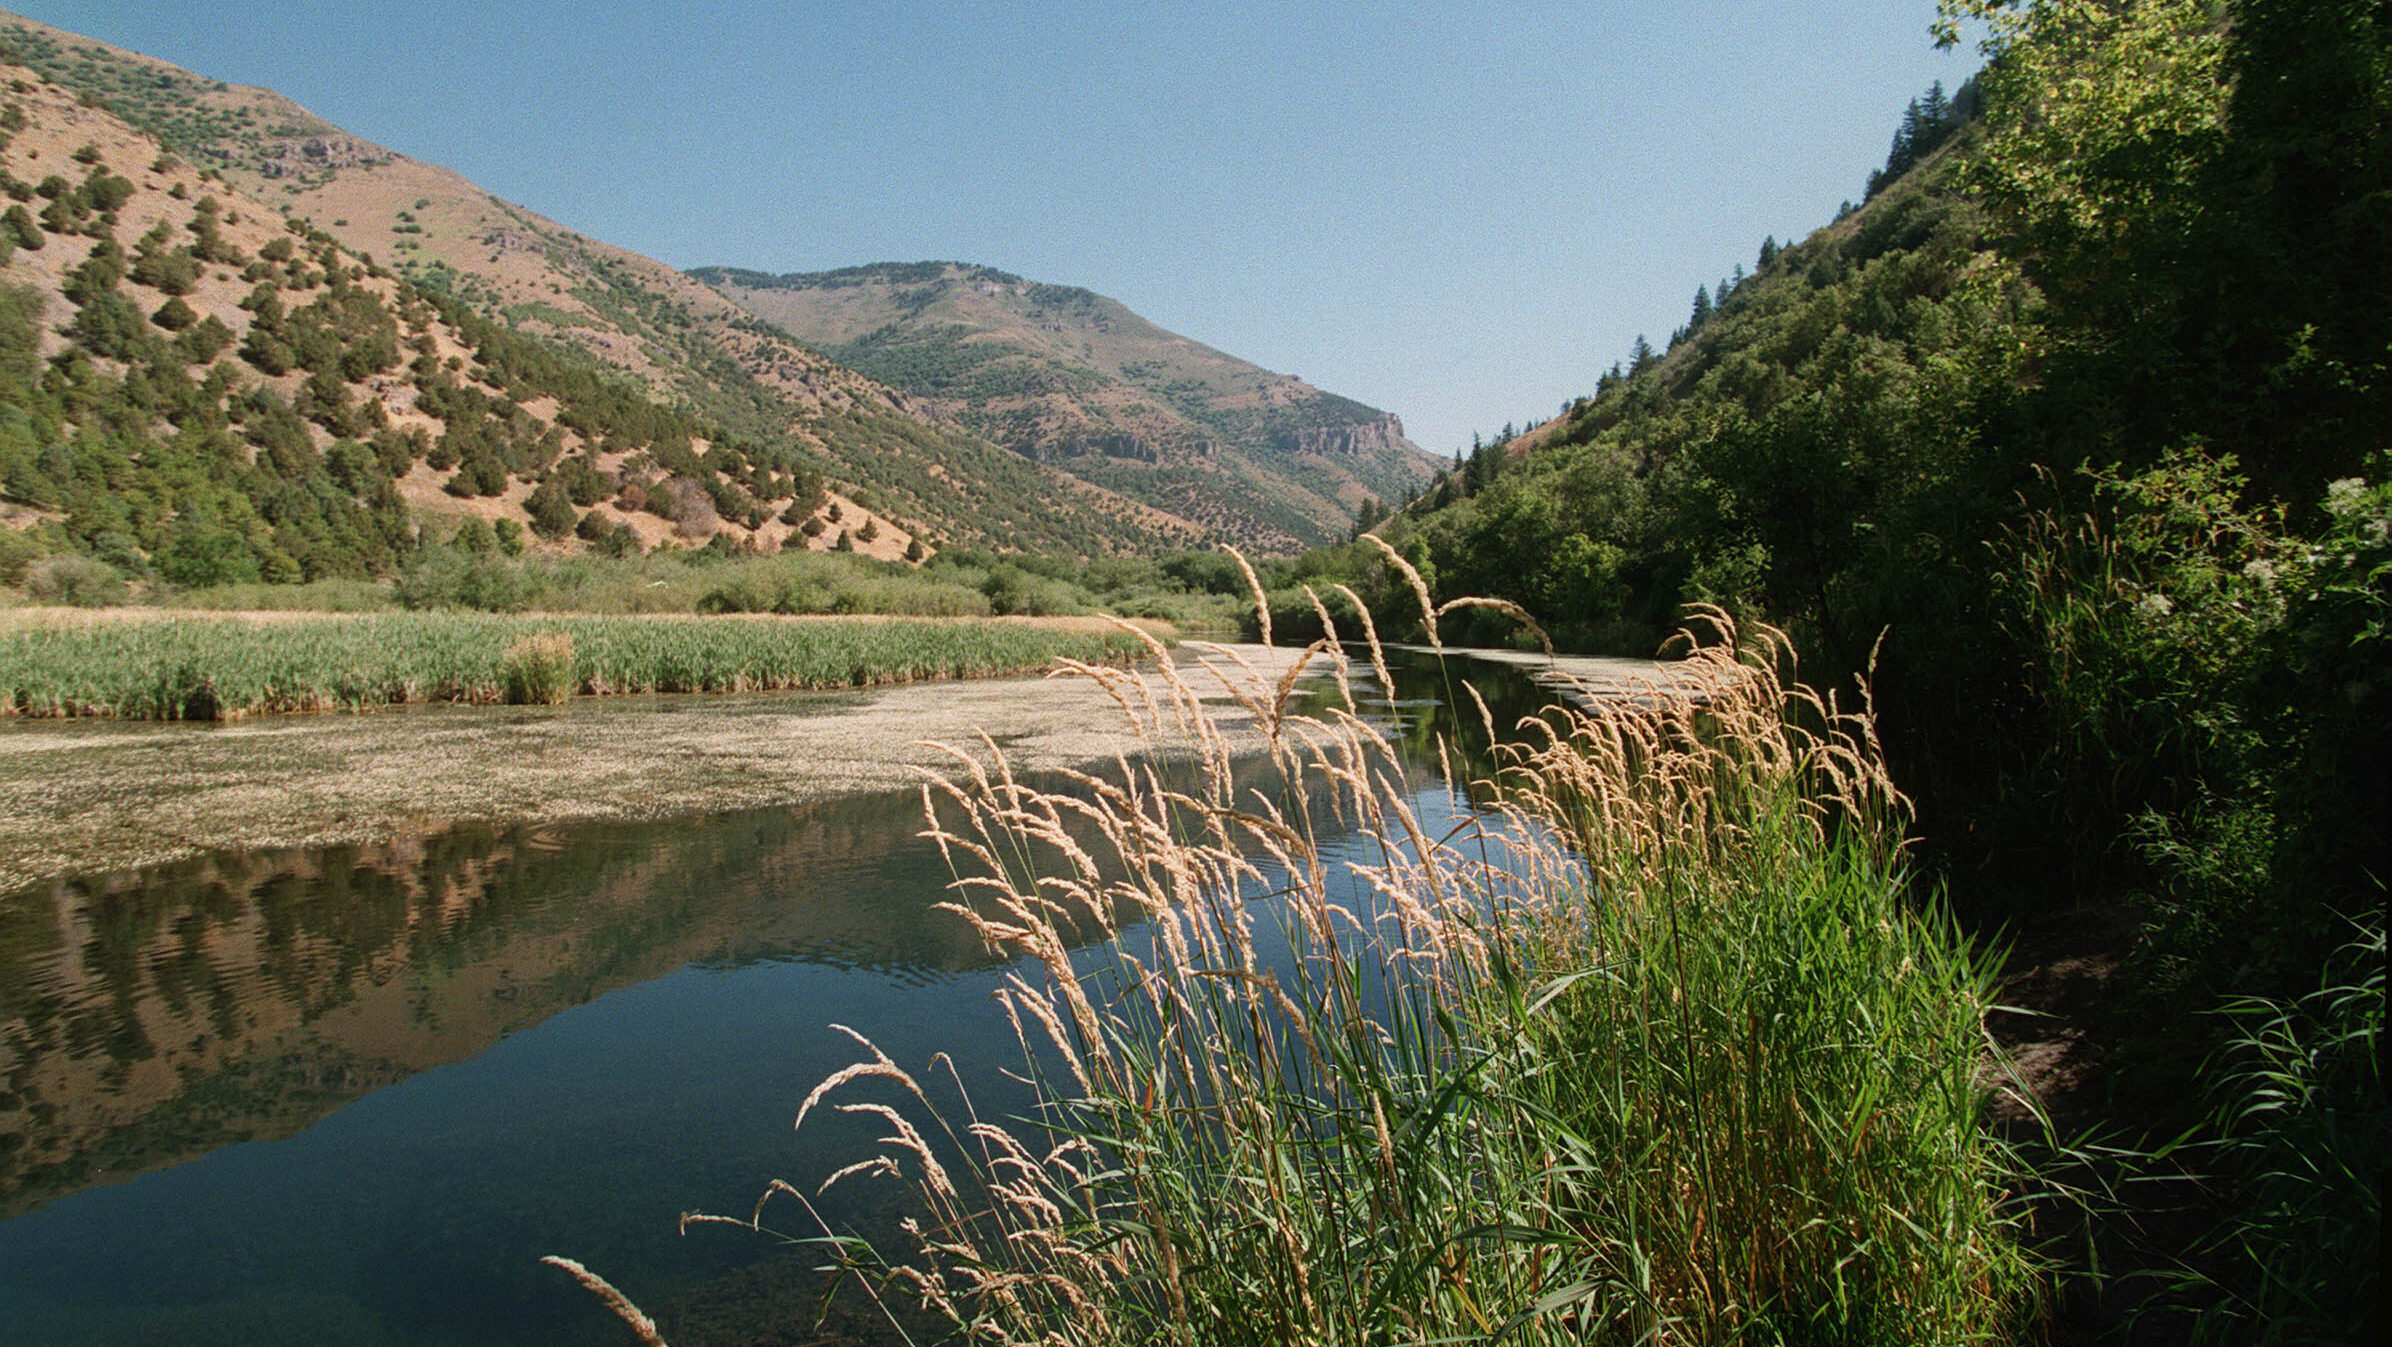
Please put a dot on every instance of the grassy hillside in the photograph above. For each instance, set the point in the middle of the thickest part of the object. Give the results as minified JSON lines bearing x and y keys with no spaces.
{"x":1068,"y":376}
{"x":681,"y":341}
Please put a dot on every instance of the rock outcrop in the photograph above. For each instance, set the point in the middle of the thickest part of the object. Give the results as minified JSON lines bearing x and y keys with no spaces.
{"x":1353,"y":439}
{"x":315,"y":154}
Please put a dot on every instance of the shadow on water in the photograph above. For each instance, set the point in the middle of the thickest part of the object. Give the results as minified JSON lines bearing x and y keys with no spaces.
{"x":352,"y":1094}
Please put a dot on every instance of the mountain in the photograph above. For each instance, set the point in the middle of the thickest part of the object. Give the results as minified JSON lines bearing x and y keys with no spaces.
{"x":631,"y":314}
{"x":1065,"y":376}
{"x":196,"y":385}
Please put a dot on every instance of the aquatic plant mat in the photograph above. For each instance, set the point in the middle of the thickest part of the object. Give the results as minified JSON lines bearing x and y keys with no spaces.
{"x":162,"y":666}
{"x":1655,"y":1047}
{"x":104,"y":795}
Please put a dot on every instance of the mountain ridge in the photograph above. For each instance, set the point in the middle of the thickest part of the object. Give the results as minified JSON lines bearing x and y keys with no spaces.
{"x":1060,"y":374}
{"x":1131,"y":479}
{"x":195,"y":386}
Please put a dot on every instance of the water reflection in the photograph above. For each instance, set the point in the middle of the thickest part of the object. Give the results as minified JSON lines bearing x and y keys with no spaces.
{"x":351,"y":1094}
{"x":152,"y":1016}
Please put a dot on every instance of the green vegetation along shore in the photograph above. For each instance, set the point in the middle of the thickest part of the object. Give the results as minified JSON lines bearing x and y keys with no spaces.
{"x":163,"y":666}
{"x":2071,"y":435}
{"x":1659,"y":1050}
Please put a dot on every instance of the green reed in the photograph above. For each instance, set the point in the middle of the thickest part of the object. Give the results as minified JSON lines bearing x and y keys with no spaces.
{"x":170,"y":668}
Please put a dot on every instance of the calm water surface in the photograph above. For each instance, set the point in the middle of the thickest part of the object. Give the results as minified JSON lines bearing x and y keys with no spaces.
{"x":353,"y":1094}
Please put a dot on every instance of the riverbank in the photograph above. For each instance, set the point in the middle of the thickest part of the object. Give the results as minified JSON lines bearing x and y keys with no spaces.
{"x":78,"y":796}
{"x":85,"y":796}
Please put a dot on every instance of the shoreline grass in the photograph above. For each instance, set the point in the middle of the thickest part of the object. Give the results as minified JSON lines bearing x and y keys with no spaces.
{"x":160,"y":666}
{"x":1660,"y":1049}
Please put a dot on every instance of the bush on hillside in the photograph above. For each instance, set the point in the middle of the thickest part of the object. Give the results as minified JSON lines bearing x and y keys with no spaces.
{"x":75,"y":581}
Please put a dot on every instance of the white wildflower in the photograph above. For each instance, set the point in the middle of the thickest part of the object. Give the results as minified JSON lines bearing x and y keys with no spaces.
{"x":2344,"y":496}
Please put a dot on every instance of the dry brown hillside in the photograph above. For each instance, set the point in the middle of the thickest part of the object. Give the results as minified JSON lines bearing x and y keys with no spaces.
{"x":627,"y":312}
{"x":215,"y":385}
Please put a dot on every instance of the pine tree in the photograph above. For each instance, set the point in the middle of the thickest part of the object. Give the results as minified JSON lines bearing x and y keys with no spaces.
{"x":553,"y":515}
{"x":1640,"y":356}
{"x":174,"y":315}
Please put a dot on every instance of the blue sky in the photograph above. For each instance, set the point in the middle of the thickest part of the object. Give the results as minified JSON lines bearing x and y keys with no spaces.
{"x":1459,"y":213}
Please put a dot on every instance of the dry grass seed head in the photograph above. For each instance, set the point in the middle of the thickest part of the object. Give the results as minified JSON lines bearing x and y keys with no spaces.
{"x":879,"y":1166}
{"x":1113,"y":683}
{"x":881,"y":1066}
{"x":1370,"y":633}
{"x":1508,"y":609}
{"x":1329,"y":638}
{"x":642,"y":1326}
{"x":904,"y":1134}
{"x":1016,"y":998}
{"x":1486,"y":717}
{"x":1420,"y":588}
{"x":1262,"y":602}
{"x":1287,"y":682}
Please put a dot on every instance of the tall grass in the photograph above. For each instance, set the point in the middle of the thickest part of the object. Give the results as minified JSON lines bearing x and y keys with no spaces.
{"x":2301,"y":1130}
{"x":316,"y":596}
{"x":220,"y":668}
{"x":538,"y":669}
{"x":1656,"y":1048}
{"x":1764,"y":1083}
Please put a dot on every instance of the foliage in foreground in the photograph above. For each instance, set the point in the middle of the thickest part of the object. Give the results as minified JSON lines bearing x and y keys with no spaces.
{"x":1655,"y":1049}
{"x":224,"y":668}
{"x":2300,"y":1125}
{"x":2080,"y":423}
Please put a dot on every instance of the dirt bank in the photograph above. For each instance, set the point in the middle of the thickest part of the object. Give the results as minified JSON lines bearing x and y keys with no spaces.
{"x":80,"y":796}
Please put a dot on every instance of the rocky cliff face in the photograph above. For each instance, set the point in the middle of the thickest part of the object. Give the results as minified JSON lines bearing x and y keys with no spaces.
{"x":1357,"y":439}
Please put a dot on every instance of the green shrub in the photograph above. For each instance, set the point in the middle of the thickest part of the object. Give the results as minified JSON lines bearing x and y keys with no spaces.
{"x":551,"y":506}
{"x":1012,"y":591}
{"x":445,"y":577}
{"x":17,"y":551}
{"x":316,"y":596}
{"x":76,"y":581}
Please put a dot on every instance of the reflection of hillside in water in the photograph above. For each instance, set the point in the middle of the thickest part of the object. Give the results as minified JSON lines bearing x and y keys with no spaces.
{"x":151,"y":1016}
{"x":1431,"y":707}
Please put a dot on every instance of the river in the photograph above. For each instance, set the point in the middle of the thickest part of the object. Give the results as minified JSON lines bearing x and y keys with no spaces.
{"x":352,"y":1092}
